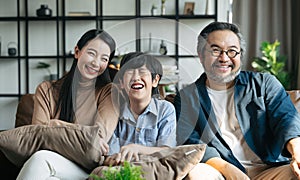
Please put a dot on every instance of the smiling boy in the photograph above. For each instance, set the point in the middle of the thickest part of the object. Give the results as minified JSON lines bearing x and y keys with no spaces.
{"x":146,"y":124}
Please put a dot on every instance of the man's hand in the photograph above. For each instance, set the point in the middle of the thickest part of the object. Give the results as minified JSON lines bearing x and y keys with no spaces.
{"x":293,"y":147}
{"x":229,"y":171}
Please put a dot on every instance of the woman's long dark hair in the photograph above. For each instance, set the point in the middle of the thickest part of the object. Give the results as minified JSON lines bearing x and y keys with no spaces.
{"x":65,"y":100}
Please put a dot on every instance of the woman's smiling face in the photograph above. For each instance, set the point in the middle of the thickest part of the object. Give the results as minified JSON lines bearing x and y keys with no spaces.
{"x":93,"y":58}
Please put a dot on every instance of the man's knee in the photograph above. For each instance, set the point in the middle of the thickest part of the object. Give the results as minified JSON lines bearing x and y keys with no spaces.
{"x":204,"y":171}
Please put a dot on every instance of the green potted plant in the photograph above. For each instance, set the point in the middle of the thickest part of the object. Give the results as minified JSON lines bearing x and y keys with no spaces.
{"x":124,"y":172}
{"x":43,"y":65}
{"x":272,"y":62}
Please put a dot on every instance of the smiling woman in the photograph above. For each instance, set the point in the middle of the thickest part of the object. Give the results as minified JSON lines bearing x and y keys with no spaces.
{"x":80,"y":98}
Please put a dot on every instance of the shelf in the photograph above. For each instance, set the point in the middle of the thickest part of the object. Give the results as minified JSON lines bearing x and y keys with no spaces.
{"x":50,"y":39}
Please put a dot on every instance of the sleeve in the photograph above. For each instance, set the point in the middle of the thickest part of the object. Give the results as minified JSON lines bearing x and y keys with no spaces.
{"x":187,"y":109}
{"x":284,"y":118}
{"x":42,"y":106}
{"x":107,"y":110}
{"x":167,"y":127}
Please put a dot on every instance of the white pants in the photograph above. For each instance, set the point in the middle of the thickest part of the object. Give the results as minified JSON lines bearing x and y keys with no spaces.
{"x":48,"y":165}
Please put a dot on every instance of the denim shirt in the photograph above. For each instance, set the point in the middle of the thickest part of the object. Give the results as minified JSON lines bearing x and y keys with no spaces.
{"x":156,"y":126}
{"x":265,"y":112}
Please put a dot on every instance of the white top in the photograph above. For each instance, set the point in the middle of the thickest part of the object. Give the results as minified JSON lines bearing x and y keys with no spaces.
{"x":223,"y":106}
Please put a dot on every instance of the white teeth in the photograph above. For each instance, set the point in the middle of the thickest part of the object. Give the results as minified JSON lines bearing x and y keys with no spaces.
{"x":137,"y":86}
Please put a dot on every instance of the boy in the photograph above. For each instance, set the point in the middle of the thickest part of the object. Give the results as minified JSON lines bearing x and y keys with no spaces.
{"x":146,"y":124}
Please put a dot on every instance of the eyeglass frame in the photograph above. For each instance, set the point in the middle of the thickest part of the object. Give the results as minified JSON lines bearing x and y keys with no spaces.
{"x":222,"y":51}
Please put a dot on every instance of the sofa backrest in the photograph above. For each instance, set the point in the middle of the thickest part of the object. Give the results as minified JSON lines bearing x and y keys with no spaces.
{"x":295,"y":97}
{"x":25,"y":107}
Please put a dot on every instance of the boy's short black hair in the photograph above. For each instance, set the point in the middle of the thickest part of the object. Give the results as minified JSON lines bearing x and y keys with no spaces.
{"x":134,"y":60}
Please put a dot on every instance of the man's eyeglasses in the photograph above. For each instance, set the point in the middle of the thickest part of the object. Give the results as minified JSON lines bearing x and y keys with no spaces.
{"x":231,"y":53}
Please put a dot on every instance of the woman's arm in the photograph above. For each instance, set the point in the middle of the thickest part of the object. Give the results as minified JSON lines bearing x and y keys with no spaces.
{"x":108,"y":112}
{"x":44,"y":107}
{"x":42,"y":104}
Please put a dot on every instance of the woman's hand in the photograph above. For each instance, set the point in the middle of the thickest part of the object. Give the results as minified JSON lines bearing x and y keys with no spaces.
{"x":104,"y":147}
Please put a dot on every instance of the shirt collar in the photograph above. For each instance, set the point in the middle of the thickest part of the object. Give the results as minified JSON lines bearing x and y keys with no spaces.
{"x":126,"y":113}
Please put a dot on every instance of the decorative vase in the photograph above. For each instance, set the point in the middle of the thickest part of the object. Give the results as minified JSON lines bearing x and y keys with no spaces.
{"x":153,"y":11}
{"x":44,"y":11}
{"x":163,"y":9}
{"x":163,"y":48}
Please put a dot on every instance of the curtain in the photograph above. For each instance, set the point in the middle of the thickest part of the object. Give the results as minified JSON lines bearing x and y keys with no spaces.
{"x":270,"y":20}
{"x":296,"y":42}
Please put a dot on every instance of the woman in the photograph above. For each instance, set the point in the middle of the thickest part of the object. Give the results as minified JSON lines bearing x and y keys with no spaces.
{"x":81,"y":97}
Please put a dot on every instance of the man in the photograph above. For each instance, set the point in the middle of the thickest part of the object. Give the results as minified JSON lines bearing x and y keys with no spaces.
{"x":246,"y":118}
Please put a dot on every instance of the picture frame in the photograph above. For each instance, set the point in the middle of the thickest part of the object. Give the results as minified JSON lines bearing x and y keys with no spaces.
{"x":189,"y":8}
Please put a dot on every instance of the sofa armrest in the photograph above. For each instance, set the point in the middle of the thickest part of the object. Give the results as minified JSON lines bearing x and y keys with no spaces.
{"x":25,"y":110}
{"x":295,"y":97}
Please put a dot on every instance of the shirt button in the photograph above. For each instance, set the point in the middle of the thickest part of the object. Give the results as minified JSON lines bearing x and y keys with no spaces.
{"x":137,"y":129}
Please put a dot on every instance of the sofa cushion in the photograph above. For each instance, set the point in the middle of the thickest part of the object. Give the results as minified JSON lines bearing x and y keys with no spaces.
{"x":295,"y":97}
{"x":173,"y":163}
{"x":77,"y":143}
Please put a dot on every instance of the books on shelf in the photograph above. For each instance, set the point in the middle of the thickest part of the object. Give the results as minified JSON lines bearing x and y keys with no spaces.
{"x":79,"y":13}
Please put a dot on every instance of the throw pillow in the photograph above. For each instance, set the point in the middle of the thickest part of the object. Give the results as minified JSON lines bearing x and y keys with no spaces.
{"x":173,"y":163}
{"x":77,"y":143}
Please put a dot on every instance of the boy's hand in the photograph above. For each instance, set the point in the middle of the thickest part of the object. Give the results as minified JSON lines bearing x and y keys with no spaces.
{"x":129,"y":152}
{"x":113,"y":160}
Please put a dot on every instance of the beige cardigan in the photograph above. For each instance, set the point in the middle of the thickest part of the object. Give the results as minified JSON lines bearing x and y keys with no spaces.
{"x":91,"y":108}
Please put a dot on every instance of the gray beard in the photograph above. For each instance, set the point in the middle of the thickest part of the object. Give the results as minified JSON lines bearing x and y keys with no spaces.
{"x":220,"y":79}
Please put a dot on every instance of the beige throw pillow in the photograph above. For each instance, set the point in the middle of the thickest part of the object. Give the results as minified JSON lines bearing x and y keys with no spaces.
{"x":173,"y":163}
{"x":77,"y":143}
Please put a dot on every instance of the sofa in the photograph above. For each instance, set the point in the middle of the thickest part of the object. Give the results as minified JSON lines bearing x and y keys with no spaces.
{"x":24,"y":115}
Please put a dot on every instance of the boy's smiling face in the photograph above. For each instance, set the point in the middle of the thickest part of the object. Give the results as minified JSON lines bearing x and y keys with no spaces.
{"x":138,"y":83}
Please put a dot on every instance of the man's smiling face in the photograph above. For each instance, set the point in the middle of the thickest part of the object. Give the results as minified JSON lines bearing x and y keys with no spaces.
{"x":221,"y":69}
